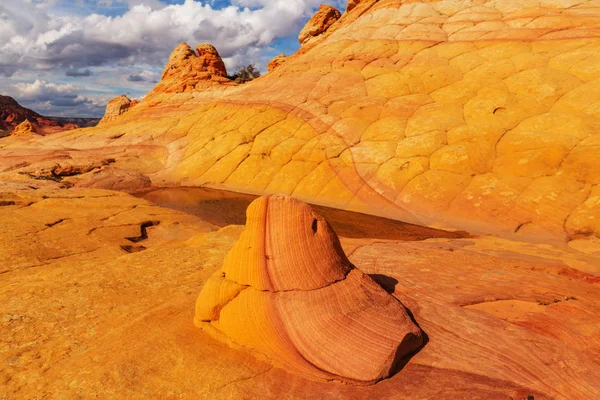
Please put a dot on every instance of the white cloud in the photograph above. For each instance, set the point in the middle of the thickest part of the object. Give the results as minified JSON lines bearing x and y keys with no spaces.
{"x":146,"y":33}
{"x":54,"y":42}
{"x":41,"y":90}
{"x":57,"y":99}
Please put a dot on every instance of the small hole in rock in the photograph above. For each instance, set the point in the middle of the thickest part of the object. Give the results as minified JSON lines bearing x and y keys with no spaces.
{"x":315,"y":225}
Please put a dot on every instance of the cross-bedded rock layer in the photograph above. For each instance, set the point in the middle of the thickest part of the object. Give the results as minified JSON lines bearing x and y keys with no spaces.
{"x":287,"y":291}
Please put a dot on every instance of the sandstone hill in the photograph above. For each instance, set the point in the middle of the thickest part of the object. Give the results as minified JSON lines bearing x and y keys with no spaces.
{"x":474,"y":115}
{"x":12,"y":114}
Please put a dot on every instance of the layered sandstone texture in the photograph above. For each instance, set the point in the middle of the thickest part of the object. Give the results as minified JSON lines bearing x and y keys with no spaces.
{"x":287,"y":291}
{"x":117,"y":107}
{"x":319,"y":23}
{"x":475,"y":115}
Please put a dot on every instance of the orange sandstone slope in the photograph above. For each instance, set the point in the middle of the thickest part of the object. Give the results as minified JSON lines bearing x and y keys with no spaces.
{"x":478,"y":115}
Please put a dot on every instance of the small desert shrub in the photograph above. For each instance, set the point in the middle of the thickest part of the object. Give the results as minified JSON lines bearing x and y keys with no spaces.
{"x":245,"y":74}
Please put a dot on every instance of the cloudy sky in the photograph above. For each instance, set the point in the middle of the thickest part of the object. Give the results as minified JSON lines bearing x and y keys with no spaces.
{"x":69,"y":57}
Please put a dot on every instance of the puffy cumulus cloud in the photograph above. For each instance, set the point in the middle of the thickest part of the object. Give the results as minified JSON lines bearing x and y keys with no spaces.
{"x":41,"y":90}
{"x":50,"y":97}
{"x":121,"y":46}
{"x":145,"y":34}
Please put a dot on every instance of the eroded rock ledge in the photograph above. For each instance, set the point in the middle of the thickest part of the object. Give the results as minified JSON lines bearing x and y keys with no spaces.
{"x":288,"y":292}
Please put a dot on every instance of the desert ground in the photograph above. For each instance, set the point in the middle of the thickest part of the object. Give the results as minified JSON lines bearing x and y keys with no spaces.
{"x":450,"y":145}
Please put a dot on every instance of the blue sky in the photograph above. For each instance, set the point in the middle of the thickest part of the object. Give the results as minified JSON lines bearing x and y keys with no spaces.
{"x":69,"y":57}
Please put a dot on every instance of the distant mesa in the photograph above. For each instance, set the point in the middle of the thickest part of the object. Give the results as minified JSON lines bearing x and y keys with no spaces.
{"x":288,"y":292}
{"x":117,"y":107}
{"x":319,"y":23}
{"x":276,"y":62}
{"x":12,"y":114}
{"x":25,"y":128}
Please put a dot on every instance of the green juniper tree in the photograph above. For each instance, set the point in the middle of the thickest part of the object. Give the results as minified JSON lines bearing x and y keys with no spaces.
{"x":245,"y":74}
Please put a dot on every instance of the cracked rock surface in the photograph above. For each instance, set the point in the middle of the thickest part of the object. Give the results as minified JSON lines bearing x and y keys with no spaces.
{"x":473,"y":115}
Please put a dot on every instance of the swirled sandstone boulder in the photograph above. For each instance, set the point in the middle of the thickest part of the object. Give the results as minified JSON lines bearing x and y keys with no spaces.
{"x":288,"y":292}
{"x":319,"y":23}
{"x":117,"y":107}
{"x":24,"y":128}
{"x":276,"y":62}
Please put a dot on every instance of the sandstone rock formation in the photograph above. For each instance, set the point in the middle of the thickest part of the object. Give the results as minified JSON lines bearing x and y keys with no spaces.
{"x":117,"y":107}
{"x":319,"y":23}
{"x":287,"y":291}
{"x":25,"y":128}
{"x":188,"y":70}
{"x":210,"y":60}
{"x":276,"y":62}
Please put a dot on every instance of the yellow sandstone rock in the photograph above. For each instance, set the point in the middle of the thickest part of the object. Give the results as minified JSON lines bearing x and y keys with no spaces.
{"x":434,"y":112}
{"x":276,"y":62}
{"x":117,"y":107}
{"x":319,"y":23}
{"x":25,"y":128}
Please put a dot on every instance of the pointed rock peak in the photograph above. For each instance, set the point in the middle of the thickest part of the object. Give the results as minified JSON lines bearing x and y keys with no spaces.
{"x":24,"y":128}
{"x":276,"y":62}
{"x":319,"y":23}
{"x":179,"y":57}
{"x":287,"y":291}
{"x":117,"y":107}
{"x":189,"y":71}
{"x":210,"y":59}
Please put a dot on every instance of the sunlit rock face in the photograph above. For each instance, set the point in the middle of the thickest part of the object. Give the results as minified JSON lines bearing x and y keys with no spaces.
{"x":276,"y":62}
{"x":188,"y":70}
{"x":117,"y":107}
{"x":287,"y":291}
{"x":471,"y":115}
{"x":319,"y":23}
